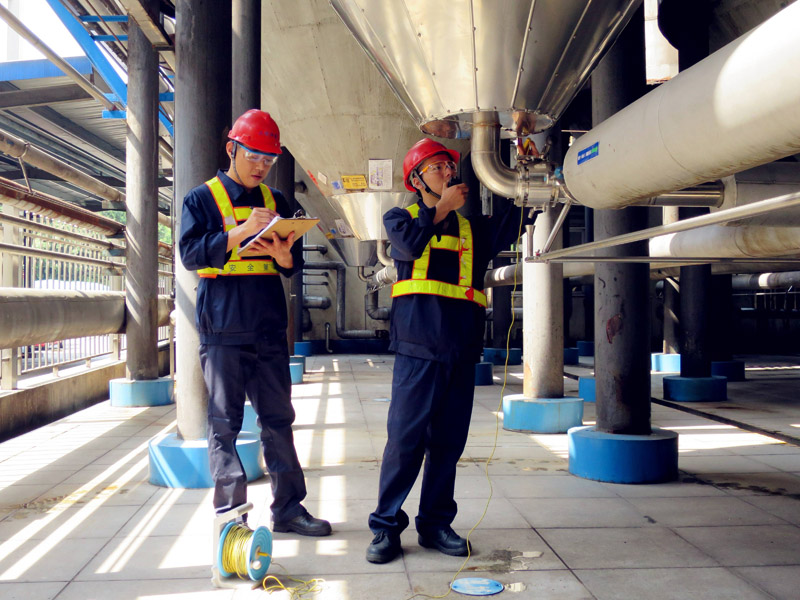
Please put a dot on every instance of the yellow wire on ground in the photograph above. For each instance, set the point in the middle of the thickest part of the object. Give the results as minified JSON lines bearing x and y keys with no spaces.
{"x":311,"y":586}
{"x":496,"y":434}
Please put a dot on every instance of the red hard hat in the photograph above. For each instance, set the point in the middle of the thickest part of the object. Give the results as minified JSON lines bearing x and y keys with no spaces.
{"x":258,"y":131}
{"x":421,"y":151}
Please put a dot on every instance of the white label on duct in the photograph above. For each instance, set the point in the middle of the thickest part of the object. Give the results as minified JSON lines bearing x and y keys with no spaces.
{"x":323,"y":179}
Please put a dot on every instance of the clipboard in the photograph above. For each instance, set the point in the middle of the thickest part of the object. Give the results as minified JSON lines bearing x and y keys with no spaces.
{"x":283,"y":227}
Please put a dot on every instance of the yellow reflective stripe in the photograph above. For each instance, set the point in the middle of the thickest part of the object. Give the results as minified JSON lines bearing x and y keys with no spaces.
{"x":465,"y":258}
{"x":438,"y":288}
{"x":230,"y":217}
{"x":448,"y":242}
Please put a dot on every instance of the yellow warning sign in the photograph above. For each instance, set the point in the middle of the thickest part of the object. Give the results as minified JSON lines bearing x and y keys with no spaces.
{"x":354,"y":182}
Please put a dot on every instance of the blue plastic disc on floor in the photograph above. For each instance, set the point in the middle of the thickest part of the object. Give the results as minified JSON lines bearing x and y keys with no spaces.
{"x":477,"y":586}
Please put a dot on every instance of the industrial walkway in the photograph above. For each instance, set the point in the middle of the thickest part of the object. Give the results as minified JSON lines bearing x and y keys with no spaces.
{"x":79,"y":521}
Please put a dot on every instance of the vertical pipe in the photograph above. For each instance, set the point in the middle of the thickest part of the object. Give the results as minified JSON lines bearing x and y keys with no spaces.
{"x":245,"y":56}
{"x":501,"y":308}
{"x":141,"y":279}
{"x":622,"y":323}
{"x":202,"y":117}
{"x":543,"y":324}
{"x":672,"y":298}
{"x":283,"y":173}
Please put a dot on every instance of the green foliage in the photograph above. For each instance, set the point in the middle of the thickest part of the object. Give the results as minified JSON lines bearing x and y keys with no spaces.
{"x":164,"y":233}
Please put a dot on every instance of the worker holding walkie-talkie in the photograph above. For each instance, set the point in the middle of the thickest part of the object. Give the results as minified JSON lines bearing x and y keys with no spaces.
{"x":437,"y":326}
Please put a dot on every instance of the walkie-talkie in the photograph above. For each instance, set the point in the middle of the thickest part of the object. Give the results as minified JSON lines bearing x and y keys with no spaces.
{"x":454,"y":181}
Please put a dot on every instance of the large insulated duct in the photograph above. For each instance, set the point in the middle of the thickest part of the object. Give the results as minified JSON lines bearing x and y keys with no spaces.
{"x":37,"y":316}
{"x":720,"y":241}
{"x":734,"y":110}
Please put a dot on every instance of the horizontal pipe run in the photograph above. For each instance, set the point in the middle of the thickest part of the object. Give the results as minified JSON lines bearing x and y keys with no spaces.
{"x":29,"y":317}
{"x":672,"y":260}
{"x":722,"y":216}
{"x":708,"y":195}
{"x":62,"y":233}
{"x":767,"y":281}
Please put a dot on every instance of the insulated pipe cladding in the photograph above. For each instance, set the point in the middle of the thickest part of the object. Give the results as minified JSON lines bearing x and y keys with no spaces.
{"x":734,"y":110}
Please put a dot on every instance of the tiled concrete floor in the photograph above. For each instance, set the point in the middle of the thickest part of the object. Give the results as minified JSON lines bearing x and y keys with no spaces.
{"x":78,"y":519}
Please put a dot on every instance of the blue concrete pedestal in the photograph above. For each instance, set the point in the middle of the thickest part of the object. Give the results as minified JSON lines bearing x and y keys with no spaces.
{"x":302,"y":348}
{"x":145,"y":392}
{"x":571,"y":356}
{"x":585,"y":348}
{"x":497,"y":356}
{"x":483,"y":374}
{"x":586,"y":387}
{"x":618,"y":458}
{"x":296,"y":370}
{"x":733,"y":370}
{"x":695,"y":389}
{"x":177,"y":463}
{"x":250,"y":420}
{"x":665,"y":363}
{"x":298,"y":358}
{"x":541,"y":415}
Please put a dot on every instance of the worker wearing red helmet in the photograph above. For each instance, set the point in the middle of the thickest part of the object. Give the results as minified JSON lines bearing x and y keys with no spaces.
{"x":241,"y":320}
{"x":437,"y":326}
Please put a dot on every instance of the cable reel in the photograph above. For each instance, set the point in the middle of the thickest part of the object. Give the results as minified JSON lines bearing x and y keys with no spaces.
{"x":243,"y":552}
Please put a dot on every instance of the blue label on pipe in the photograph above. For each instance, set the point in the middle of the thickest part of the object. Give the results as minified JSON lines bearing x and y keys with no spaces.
{"x":588,"y":153}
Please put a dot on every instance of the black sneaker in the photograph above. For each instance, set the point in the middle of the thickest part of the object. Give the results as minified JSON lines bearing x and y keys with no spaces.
{"x":444,"y":540}
{"x":383,"y":548}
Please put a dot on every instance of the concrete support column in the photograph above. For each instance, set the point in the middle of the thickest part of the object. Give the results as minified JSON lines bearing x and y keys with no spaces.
{"x":622,"y":324}
{"x":622,"y":447}
{"x":202,"y":119}
{"x":142,"y":207}
{"x":543,"y":325}
{"x":245,"y":56}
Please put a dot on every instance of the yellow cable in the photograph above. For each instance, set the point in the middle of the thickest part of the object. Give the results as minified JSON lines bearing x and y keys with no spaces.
{"x":311,"y":586}
{"x":496,"y":431}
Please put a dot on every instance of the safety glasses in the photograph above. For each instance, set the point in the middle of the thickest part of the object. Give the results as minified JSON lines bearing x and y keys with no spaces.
{"x":439,"y":167}
{"x":254,"y":157}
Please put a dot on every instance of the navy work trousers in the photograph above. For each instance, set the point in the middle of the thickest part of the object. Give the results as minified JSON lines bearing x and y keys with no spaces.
{"x":260,"y":372}
{"x":429,"y":418}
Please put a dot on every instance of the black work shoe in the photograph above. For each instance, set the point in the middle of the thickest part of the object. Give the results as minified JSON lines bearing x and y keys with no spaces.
{"x":303,"y":524}
{"x":383,"y":548}
{"x":444,"y":540}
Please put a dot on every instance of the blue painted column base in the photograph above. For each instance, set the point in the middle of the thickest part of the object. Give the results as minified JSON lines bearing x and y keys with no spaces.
{"x":541,"y":415}
{"x":665,"y":363}
{"x":497,"y":356}
{"x":298,"y":358}
{"x":144,"y":392}
{"x":733,"y":370}
{"x":695,"y":389}
{"x":302,"y":348}
{"x":586,"y":388}
{"x":483,"y":374}
{"x":296,"y":371}
{"x":177,"y":463}
{"x":585,"y":348}
{"x":618,"y":458}
{"x":571,"y":356}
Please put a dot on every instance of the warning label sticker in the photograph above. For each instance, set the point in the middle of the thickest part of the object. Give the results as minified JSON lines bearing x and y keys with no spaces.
{"x":354,"y":182}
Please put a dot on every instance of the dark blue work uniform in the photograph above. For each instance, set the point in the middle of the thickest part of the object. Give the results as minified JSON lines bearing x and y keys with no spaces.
{"x":242,"y":322}
{"x":437,"y":341}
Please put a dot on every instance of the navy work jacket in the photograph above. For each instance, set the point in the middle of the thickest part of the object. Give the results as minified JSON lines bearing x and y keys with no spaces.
{"x":232,"y":309}
{"x":434,"y":327}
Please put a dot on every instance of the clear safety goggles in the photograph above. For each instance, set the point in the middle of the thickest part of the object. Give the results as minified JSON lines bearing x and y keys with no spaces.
{"x":254,"y":157}
{"x":439,"y":167}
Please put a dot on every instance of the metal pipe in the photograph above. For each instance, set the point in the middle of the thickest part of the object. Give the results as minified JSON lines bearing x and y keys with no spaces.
{"x":113,"y":267}
{"x":383,"y":257}
{"x":341,"y":311}
{"x":705,"y":195}
{"x":316,"y":302}
{"x":70,"y":71}
{"x":500,"y":276}
{"x":315,"y":248}
{"x":718,"y":241}
{"x":557,"y":226}
{"x":767,"y":281}
{"x":384,"y":277}
{"x":523,"y":184}
{"x":721,"y":216}
{"x":30,"y":316}
{"x":734,"y":110}
{"x":375,"y":312}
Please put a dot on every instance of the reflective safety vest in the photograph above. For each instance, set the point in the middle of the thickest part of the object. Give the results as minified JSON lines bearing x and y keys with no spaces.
{"x":419,"y":282}
{"x":231,"y":217}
